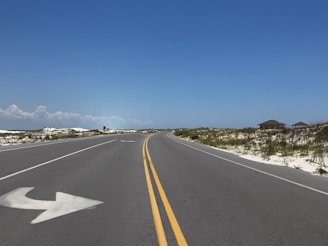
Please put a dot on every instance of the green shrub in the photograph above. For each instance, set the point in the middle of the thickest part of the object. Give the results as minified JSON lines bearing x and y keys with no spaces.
{"x":267,"y":143}
{"x":322,"y":135}
{"x":321,"y":171}
{"x":248,"y":130}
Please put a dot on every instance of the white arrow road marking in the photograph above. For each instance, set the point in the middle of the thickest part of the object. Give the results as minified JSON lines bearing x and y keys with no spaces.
{"x":64,"y":204}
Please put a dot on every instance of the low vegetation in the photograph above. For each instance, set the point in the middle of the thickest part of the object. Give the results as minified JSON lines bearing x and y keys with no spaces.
{"x":42,"y":135}
{"x":310,"y":142}
{"x":47,"y":134}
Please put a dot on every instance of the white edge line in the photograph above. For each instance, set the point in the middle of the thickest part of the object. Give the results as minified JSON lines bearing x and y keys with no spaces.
{"x":252,"y":168}
{"x":30,"y":146}
{"x":53,"y":160}
{"x":51,"y":142}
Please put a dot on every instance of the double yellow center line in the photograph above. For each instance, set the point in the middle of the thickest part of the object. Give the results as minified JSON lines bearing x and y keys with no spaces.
{"x":162,"y":241}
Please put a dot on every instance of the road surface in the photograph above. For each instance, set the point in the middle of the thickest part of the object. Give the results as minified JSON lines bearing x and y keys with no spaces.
{"x":138,"y":189}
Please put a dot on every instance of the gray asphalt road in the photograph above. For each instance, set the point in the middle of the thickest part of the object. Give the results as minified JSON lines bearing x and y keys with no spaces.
{"x":216,"y":198}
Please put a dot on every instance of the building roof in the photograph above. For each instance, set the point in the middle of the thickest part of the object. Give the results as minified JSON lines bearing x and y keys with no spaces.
{"x":300,"y":124}
{"x":271,"y":122}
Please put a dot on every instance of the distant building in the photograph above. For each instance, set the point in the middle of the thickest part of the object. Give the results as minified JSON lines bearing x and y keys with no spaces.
{"x":300,"y":125}
{"x":271,"y":124}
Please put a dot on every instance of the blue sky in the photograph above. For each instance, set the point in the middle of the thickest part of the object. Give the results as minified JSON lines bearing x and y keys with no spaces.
{"x":168,"y":64}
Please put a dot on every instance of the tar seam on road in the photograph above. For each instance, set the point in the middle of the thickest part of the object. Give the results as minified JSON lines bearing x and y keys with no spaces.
{"x":254,"y":169}
{"x":169,"y":211}
{"x":53,"y":160}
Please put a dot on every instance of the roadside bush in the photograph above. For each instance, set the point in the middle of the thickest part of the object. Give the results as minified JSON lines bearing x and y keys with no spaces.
{"x":322,"y":135}
{"x":321,"y":171}
{"x":182,"y":133}
{"x":235,"y":142}
{"x":248,"y":130}
{"x":318,"y":155}
{"x":194,"y":137}
{"x":268,"y":149}
{"x":312,"y":141}
{"x":303,"y":150}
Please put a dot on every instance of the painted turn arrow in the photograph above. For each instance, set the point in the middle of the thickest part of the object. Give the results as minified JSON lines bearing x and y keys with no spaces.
{"x":127,"y":141}
{"x":64,"y":204}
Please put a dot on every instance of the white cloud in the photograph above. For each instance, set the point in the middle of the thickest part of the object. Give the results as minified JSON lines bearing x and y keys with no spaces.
{"x":15,"y":118}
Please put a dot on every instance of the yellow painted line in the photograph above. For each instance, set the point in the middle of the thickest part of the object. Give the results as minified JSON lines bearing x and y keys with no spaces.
{"x":156,"y":215}
{"x":169,"y":211}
